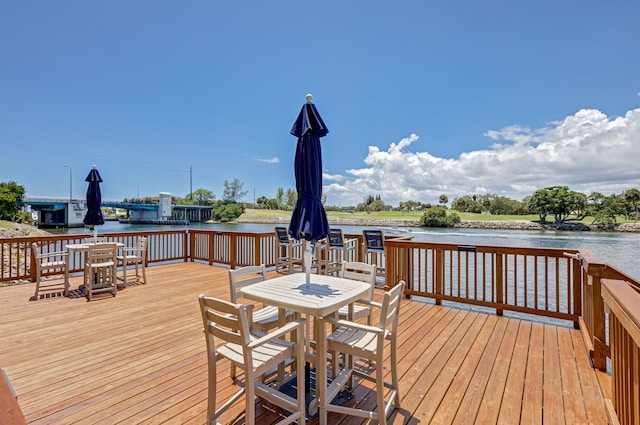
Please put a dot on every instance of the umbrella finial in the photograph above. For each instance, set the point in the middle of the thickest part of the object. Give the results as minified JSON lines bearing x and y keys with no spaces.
{"x":309,"y":98}
{"x":93,"y":166}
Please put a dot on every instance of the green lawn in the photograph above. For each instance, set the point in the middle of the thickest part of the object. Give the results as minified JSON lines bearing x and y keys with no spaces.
{"x":389,"y":215}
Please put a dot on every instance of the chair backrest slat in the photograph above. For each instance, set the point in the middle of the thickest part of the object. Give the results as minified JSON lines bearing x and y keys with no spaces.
{"x":224,"y":320}
{"x":390,"y":310}
{"x":245,"y":276}
{"x":281,"y":233}
{"x":336,"y":238}
{"x":102,"y":252}
{"x":359,"y":271}
{"x":373,"y":239}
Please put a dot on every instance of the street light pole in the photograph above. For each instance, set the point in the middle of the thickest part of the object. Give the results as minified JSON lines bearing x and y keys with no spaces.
{"x":138,"y":192}
{"x":70,"y":182}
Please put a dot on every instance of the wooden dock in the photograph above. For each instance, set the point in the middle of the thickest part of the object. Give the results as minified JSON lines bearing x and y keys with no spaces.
{"x":140,"y":358}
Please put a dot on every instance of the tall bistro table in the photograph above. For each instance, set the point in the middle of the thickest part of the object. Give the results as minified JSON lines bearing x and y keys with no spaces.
{"x":83,"y":248}
{"x":320,"y":298}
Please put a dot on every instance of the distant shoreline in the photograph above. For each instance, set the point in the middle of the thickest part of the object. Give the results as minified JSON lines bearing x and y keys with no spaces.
{"x":464,"y":224}
{"x":22,"y":230}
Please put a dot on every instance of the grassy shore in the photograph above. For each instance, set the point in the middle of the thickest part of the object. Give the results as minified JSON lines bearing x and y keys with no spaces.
{"x":263,"y":215}
{"x":412,"y":219}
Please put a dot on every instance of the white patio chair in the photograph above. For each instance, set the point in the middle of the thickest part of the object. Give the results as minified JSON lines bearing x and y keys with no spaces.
{"x":288,"y":252}
{"x":100,"y":270}
{"x":362,"y":272}
{"x":49,"y":263}
{"x":134,"y":256}
{"x":254,"y":352}
{"x":338,"y":250}
{"x":262,"y":319}
{"x":368,"y":342}
{"x":373,"y":250}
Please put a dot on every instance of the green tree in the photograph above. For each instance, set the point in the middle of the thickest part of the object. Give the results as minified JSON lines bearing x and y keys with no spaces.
{"x":409,"y":205}
{"x":467,"y":203}
{"x":379,"y":205}
{"x":632,"y":197}
{"x":11,"y":195}
{"x":201,"y":196}
{"x":558,"y":201}
{"x":437,"y":217}
{"x":443,"y":200}
{"x":227,"y":211}
{"x":272,"y":204}
{"x":262,"y":202}
{"x":291,"y":197}
{"x":233,"y":190}
{"x":280,"y":197}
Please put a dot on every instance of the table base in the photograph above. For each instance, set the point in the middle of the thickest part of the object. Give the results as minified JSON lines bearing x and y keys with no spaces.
{"x":290,"y":388}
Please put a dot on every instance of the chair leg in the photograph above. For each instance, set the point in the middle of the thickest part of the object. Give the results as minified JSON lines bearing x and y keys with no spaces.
{"x":124,"y":273}
{"x":300,"y":365}
{"x":66,"y":281}
{"x":211,"y":396}
{"x":38,"y":277}
{"x":250,"y":394}
{"x":88,"y":283}
{"x":394,"y":374}
{"x":113,"y":279}
{"x":382,"y":417}
{"x":144,"y":272}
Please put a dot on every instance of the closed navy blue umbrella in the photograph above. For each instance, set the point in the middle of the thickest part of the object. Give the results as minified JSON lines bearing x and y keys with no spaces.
{"x":308,"y":220}
{"x":94,"y":200}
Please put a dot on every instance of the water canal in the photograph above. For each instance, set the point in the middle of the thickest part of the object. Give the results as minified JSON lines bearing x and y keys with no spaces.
{"x":619,"y":249}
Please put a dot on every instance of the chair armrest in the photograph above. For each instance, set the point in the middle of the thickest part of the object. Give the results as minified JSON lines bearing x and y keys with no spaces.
{"x":354,"y":325}
{"x":350,"y":244}
{"x":131,"y":250}
{"x":368,"y":302}
{"x":375,"y":304}
{"x":290,"y":326}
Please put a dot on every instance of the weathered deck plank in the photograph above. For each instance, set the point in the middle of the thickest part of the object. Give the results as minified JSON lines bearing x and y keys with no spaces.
{"x":140,"y":358}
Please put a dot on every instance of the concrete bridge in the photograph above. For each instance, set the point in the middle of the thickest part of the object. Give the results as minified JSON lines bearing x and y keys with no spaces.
{"x":58,"y":212}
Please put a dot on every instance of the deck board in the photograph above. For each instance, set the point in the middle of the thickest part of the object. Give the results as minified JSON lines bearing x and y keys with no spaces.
{"x":140,"y":358}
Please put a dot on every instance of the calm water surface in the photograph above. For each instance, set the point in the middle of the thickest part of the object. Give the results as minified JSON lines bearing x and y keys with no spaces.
{"x":619,"y":249}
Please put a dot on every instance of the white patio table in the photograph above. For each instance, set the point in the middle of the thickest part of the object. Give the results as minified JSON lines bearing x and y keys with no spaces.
{"x":320,"y":298}
{"x":84,"y":247}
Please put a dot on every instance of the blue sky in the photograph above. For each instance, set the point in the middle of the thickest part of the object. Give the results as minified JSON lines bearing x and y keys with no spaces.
{"x":421,"y":98}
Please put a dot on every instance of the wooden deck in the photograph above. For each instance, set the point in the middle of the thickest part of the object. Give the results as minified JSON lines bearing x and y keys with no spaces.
{"x":139,"y":358}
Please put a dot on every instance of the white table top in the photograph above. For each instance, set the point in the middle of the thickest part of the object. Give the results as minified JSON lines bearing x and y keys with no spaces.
{"x":321,"y":297}
{"x":85,"y":246}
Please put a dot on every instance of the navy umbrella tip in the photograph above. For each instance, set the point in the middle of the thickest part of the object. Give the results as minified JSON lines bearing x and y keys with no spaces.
{"x":94,"y":175}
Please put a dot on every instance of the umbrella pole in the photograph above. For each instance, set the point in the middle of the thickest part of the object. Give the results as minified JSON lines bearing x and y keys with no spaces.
{"x":308,"y":258}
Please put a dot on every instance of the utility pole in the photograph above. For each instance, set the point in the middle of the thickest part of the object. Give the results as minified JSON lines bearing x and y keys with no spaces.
{"x":70,"y":182}
{"x":191,"y":182}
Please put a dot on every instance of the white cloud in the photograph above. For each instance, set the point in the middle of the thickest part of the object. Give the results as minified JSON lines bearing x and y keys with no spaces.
{"x":332,"y":177}
{"x":273,"y":160}
{"x":587,"y":151}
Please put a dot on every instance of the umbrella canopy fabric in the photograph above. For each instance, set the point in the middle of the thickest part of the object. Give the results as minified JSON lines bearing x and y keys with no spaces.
{"x":309,"y":220}
{"x":94,"y":199}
